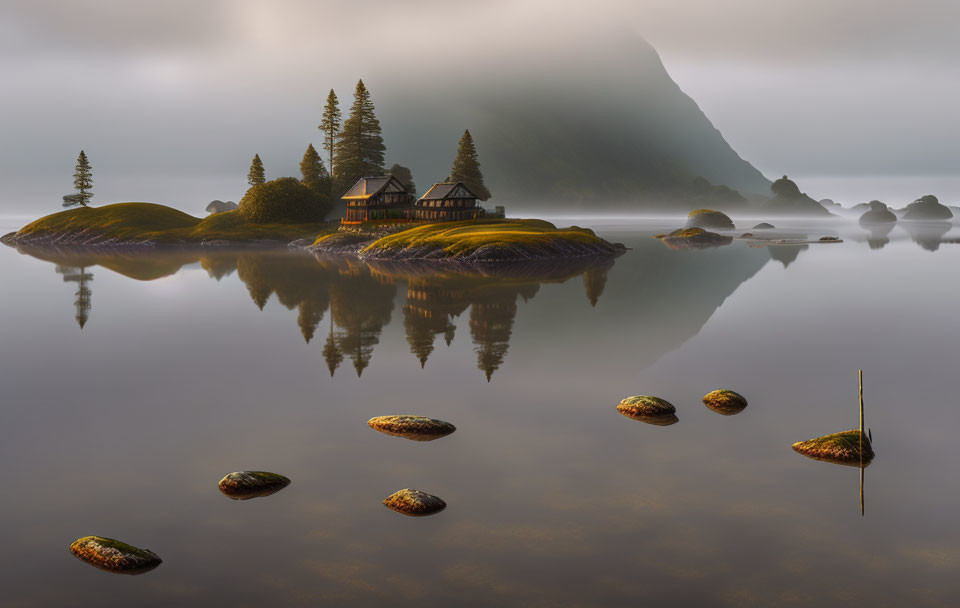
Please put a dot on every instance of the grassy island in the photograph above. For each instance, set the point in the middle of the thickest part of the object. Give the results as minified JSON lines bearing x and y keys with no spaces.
{"x":153,"y":224}
{"x":493,"y":239}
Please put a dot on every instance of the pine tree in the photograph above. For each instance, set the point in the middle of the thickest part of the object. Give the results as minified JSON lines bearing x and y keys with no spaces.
{"x":82,"y":181}
{"x":466,"y":167}
{"x":314,"y":174}
{"x":256,"y":175}
{"x":330,"y":125}
{"x":405,"y":176}
{"x":359,"y":149}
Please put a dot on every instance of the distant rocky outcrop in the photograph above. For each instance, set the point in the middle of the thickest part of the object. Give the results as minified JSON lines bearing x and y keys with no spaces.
{"x":764,"y":226}
{"x":878,"y":214}
{"x":927,"y":208}
{"x":788,"y":200}
{"x":830,"y":205}
{"x":709,"y":218}
{"x":702,"y":192}
{"x":221,"y":206}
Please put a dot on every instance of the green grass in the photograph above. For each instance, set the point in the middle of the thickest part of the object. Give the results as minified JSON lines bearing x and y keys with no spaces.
{"x":463,"y":238}
{"x":149,"y":221}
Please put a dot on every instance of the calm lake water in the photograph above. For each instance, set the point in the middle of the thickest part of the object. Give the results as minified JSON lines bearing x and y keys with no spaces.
{"x":190,"y":366}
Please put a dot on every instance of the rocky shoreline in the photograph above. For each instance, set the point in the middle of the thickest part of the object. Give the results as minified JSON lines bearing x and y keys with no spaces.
{"x":83,"y":240}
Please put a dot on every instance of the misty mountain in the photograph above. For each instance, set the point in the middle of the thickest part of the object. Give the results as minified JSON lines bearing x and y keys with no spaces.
{"x":605,"y":128}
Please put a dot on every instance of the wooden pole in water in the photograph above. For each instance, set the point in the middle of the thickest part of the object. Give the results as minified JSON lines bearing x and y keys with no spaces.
{"x":861,"y":410}
{"x":861,"y":443}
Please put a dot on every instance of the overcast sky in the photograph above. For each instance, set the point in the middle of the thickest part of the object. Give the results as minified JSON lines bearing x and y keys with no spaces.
{"x":843,"y":93}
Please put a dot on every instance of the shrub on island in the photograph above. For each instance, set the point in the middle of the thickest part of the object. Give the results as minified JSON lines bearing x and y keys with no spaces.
{"x":281,"y":201}
{"x":709,"y":218}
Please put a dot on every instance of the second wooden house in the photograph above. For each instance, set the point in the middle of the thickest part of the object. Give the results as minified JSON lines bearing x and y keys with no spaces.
{"x":447,"y":202}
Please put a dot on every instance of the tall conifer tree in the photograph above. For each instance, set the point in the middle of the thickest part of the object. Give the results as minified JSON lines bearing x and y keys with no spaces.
{"x":256,"y":176}
{"x":82,"y":181}
{"x":330,"y":125}
{"x":359,"y":148}
{"x":466,"y":167}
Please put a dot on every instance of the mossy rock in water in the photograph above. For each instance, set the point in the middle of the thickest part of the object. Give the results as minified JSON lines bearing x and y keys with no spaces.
{"x":838,"y":448}
{"x":652,"y":410}
{"x":415,"y":428}
{"x":709,"y":218}
{"x":281,"y":201}
{"x":114,"y":556}
{"x":764,"y":226}
{"x":724,"y":401}
{"x":415,"y":503}
{"x":244,"y":485}
{"x":694,"y":238}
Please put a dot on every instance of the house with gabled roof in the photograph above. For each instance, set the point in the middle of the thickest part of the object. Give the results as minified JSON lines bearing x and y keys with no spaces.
{"x":377,"y":198}
{"x":447,"y":202}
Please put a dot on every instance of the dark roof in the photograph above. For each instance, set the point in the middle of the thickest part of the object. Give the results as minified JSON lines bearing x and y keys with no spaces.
{"x":441,"y":190}
{"x":368,"y":186}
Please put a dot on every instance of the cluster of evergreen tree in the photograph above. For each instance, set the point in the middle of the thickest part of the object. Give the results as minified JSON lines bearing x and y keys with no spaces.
{"x":355,"y":149}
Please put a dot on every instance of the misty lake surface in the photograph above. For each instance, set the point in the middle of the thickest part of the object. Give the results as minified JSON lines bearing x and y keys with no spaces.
{"x":192,"y":365}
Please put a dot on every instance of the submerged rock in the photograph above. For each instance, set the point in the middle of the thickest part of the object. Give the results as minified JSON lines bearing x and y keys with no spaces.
{"x":652,"y":410}
{"x":746,"y":235}
{"x":927,"y":208}
{"x":878,"y":214}
{"x":838,"y":448}
{"x":694,"y":238}
{"x":415,"y":503}
{"x":763,"y":226}
{"x":708,"y":218}
{"x":114,"y":556}
{"x":724,"y":401}
{"x":415,"y":428}
{"x":243,"y":485}
{"x":830,"y":239}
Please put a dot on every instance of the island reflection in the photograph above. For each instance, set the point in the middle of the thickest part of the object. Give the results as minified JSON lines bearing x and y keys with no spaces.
{"x":359,"y":297}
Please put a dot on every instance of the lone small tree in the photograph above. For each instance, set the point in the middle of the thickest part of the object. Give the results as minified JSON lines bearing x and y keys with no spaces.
{"x":466,"y":167}
{"x":405,"y":176}
{"x":330,"y":125}
{"x":314,"y":174}
{"x":82,"y":181}
{"x":256,"y":175}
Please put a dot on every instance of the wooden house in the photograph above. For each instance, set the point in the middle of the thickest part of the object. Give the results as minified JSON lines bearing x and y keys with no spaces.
{"x":447,"y":202}
{"x":377,"y":198}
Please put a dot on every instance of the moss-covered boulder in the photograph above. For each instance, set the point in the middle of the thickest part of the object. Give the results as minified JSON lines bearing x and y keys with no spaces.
{"x":694,"y":238}
{"x":652,"y":410}
{"x":244,"y":485}
{"x":709,"y":218}
{"x":281,"y":201}
{"x":878,"y":215}
{"x":838,"y":448}
{"x":764,"y":226}
{"x":114,"y":556}
{"x":415,"y":503}
{"x":927,"y":208}
{"x":416,"y":428}
{"x":724,"y":401}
